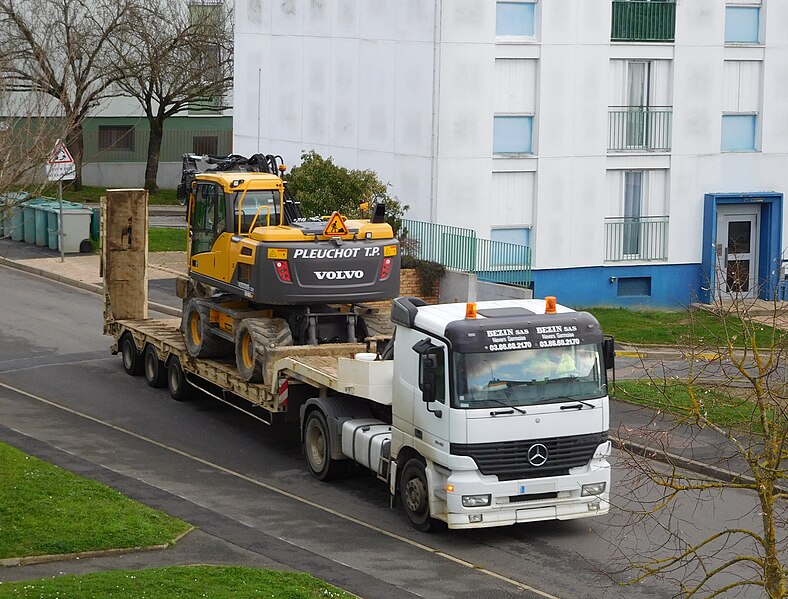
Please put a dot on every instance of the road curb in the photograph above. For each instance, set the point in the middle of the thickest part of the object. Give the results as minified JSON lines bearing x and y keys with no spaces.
{"x":673,"y":459}
{"x":97,"y":289}
{"x":665,"y":353}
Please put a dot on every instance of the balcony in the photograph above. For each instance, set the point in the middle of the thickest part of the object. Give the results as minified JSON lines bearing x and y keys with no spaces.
{"x":643,"y":238}
{"x":643,"y":21}
{"x":639,"y":128}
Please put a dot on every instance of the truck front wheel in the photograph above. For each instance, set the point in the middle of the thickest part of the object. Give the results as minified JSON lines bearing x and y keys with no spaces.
{"x":414,"y":495}
{"x":317,"y":447}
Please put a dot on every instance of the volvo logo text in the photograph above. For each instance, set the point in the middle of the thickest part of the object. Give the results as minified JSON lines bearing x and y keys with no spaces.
{"x":338,"y":275}
{"x":537,"y":455}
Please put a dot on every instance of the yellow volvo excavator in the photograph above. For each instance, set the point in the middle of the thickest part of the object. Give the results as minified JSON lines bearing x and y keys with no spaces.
{"x":262,"y":275}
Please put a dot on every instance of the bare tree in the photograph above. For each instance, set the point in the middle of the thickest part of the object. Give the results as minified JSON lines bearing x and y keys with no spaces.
{"x":179,"y":57}
{"x":65,"y":49}
{"x":738,"y":402}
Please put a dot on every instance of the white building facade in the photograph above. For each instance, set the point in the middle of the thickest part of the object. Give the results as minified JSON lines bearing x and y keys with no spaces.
{"x":637,"y":146}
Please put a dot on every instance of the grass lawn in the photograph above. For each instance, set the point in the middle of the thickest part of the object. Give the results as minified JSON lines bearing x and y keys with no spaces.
{"x":165,"y":197}
{"x":166,"y":240}
{"x":670,"y":328}
{"x":178,"y":582}
{"x":46,"y":510}
{"x":717,"y":406}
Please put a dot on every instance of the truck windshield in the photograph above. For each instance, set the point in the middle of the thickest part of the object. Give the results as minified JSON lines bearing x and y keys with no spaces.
{"x":529,"y":376}
{"x":253,"y":200}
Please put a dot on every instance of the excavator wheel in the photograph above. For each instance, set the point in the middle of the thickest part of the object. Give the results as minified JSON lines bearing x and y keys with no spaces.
{"x":253,"y":338}
{"x":200,"y":340}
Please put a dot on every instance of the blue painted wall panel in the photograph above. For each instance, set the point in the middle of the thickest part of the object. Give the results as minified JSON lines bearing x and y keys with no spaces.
{"x":672,"y":285}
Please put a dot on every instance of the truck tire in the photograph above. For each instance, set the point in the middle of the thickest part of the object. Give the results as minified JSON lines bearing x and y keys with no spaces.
{"x":200,"y":340}
{"x":132,"y":359}
{"x":180,"y":389}
{"x":317,"y":448}
{"x":414,"y":495}
{"x":253,"y":338}
{"x":155,"y":372}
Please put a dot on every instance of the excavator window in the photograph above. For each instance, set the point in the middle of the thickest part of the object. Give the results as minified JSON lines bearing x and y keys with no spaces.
{"x":209,"y":217}
{"x":263,"y":203}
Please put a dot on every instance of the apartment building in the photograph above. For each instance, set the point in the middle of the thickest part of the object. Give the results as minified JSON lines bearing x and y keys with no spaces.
{"x":637,"y":147}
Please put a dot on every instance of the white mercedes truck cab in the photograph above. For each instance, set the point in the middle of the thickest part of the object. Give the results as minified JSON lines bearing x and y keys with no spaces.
{"x":499,"y":413}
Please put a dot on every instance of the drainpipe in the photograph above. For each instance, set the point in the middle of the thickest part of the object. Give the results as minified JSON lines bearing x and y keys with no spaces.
{"x":436,"y":88}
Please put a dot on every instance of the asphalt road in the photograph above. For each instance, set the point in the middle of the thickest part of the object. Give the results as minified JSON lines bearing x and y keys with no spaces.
{"x":62,"y":392}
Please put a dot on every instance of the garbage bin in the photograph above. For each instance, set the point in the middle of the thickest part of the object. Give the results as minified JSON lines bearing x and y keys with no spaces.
{"x":9,"y":223}
{"x":41,"y":212}
{"x":52,"y":218}
{"x":95,"y":223}
{"x":76,"y":229}
{"x":17,"y":223}
{"x":29,"y":219}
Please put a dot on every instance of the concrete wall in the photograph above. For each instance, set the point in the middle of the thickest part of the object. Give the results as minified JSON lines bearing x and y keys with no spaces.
{"x":463,"y":287}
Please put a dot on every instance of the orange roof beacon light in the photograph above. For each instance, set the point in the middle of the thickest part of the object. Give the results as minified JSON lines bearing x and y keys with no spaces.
{"x":549,"y":304}
{"x":470,"y":310}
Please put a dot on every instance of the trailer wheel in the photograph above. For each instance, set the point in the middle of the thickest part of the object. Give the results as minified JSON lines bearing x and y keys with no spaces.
{"x":317,"y":447}
{"x":252,"y":340}
{"x":201,"y":342}
{"x":132,"y":359}
{"x":155,"y":372}
{"x":180,"y":389}
{"x":414,"y":495}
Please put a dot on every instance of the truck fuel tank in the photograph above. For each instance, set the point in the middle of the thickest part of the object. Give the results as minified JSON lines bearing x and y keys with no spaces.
{"x":368,"y":442}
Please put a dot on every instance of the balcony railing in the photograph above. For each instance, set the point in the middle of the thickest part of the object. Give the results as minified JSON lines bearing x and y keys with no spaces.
{"x":459,"y":249}
{"x":639,"y":128}
{"x":643,"y":21}
{"x":643,"y":238}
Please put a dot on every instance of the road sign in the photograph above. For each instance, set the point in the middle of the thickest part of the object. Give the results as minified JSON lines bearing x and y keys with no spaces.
{"x":60,"y":166}
{"x":335,"y":226}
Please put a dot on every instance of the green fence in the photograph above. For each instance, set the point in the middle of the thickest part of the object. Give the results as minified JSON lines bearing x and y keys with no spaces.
{"x":640,"y":128}
{"x":643,"y":238}
{"x":458,"y":248}
{"x":643,"y":21}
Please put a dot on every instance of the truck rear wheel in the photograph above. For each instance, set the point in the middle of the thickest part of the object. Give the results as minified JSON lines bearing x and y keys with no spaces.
{"x":180,"y":389}
{"x":252,"y":340}
{"x":132,"y":359}
{"x":414,"y":495}
{"x":317,"y":447}
{"x":155,"y":373}
{"x":200,"y":340}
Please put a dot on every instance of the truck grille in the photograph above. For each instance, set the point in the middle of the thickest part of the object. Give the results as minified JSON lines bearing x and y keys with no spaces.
{"x":509,"y":460}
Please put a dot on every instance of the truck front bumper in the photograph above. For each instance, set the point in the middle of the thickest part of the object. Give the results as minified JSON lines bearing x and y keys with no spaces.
{"x":575,"y":495}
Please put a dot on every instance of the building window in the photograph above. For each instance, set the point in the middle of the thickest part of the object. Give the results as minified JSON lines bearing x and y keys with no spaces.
{"x":515,"y":235}
{"x":633,"y":199}
{"x":738,"y":132}
{"x":514,"y":19}
{"x":634,"y":286}
{"x":742,"y":24}
{"x":512,"y":134}
{"x":205,"y":144}
{"x":119,"y":138}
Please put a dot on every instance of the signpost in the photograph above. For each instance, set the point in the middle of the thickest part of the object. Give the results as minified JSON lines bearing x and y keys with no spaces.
{"x":61,"y":167}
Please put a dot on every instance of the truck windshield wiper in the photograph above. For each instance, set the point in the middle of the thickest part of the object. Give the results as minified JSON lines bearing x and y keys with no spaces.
{"x":505,"y":405}
{"x":578,"y":406}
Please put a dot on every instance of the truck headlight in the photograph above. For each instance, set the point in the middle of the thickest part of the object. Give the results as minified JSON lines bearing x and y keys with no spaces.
{"x":475,"y":500}
{"x":593,"y":489}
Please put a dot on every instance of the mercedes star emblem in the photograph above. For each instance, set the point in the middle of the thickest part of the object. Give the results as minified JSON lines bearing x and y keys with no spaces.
{"x":537,"y":455}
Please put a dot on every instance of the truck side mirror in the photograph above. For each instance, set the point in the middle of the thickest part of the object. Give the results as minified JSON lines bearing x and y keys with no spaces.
{"x":429,"y":383}
{"x":609,"y":352}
